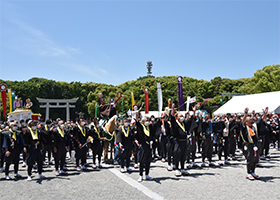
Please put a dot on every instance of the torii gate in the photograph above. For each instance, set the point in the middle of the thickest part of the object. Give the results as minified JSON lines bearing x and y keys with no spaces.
{"x":57,"y":103}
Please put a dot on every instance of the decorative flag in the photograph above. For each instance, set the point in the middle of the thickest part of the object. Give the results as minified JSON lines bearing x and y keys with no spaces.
{"x":9,"y":91}
{"x":3,"y":94}
{"x":159,"y":93}
{"x":180,"y":93}
{"x":146,"y":101}
{"x":13,"y":99}
{"x":132,"y":100}
{"x":95,"y":116}
{"x":192,"y":100}
{"x":122,"y":108}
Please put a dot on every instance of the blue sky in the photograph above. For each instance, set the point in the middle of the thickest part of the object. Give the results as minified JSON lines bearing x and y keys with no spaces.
{"x":111,"y":41}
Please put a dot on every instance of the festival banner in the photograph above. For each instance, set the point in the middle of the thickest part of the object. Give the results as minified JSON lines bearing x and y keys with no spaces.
{"x":9,"y":91}
{"x":122,"y":108}
{"x":180,"y":93}
{"x":159,"y":93}
{"x":132,"y":100}
{"x":221,"y":100}
{"x":3,"y":94}
{"x":146,"y":101}
{"x":13,"y":99}
{"x":95,"y":116}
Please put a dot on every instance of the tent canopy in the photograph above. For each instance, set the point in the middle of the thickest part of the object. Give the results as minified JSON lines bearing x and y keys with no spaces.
{"x":256,"y":102}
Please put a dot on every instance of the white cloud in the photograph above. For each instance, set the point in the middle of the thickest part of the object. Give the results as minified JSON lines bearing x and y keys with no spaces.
{"x":91,"y":71}
{"x":34,"y":41}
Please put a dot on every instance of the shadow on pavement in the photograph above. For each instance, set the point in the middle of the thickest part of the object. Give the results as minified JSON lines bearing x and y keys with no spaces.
{"x":268,"y":178}
{"x":157,"y":180}
{"x":195,"y":175}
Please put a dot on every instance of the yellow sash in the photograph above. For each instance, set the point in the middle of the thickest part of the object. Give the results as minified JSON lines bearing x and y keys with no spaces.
{"x":146,"y":130}
{"x":83,"y":131}
{"x":46,"y":127}
{"x":14,"y":134}
{"x":182,"y":125}
{"x":61,"y":132}
{"x":126,"y":133}
{"x":97,"y":131}
{"x":34,"y":135}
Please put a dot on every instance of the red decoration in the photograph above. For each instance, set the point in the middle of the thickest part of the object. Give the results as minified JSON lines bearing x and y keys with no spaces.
{"x":3,"y":94}
{"x":146,"y":101}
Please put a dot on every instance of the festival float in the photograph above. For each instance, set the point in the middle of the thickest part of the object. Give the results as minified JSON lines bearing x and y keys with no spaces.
{"x":23,"y":111}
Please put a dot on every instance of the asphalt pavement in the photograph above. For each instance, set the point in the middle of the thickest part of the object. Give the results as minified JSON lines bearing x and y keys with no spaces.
{"x":220,"y":182}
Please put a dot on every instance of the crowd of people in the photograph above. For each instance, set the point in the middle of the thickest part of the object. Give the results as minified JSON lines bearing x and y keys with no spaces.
{"x":175,"y":139}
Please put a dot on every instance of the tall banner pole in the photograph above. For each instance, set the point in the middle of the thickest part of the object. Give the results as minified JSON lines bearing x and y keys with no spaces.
{"x":146,"y":101}
{"x":180,"y":93}
{"x":3,"y":94}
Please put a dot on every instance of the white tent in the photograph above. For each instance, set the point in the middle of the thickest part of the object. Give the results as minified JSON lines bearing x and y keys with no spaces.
{"x":256,"y":102}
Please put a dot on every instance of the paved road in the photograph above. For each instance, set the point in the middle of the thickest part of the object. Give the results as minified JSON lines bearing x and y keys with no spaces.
{"x":108,"y":183}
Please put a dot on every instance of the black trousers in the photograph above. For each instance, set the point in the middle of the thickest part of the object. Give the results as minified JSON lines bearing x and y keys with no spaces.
{"x":145,"y":157}
{"x":207,"y":148}
{"x":60,"y":156}
{"x":14,"y":157}
{"x":170,"y":150}
{"x":180,"y":152}
{"x":125,"y":155}
{"x":191,"y":149}
{"x":47,"y":149}
{"x":34,"y":155}
{"x":232,"y":144}
{"x":81,"y":154}
{"x":252,"y":158}
{"x":163,"y":146}
{"x":97,"y":149}
{"x":261,"y":144}
{"x":2,"y":157}
{"x":266,"y":144}
{"x":135,"y":152}
{"x":223,"y":147}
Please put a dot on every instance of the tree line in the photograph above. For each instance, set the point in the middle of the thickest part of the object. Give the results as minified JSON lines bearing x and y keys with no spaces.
{"x":266,"y":79}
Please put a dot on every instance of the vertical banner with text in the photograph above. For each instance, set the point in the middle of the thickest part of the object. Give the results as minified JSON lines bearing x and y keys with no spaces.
{"x":180,"y":93}
{"x":159,"y":92}
{"x":3,"y":94}
{"x":10,"y":99}
{"x":146,"y":101}
{"x":132,"y":100}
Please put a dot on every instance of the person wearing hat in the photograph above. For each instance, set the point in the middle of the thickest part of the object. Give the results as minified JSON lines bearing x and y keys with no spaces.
{"x":98,"y":141}
{"x":125,"y":138}
{"x":33,"y":147}
{"x":47,"y":137}
{"x":22,"y":125}
{"x":60,"y":146}
{"x":80,"y":135}
{"x":146,"y":137}
{"x":12,"y":144}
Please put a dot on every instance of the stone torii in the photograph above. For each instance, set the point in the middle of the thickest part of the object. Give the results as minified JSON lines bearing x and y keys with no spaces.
{"x":57,"y":103}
